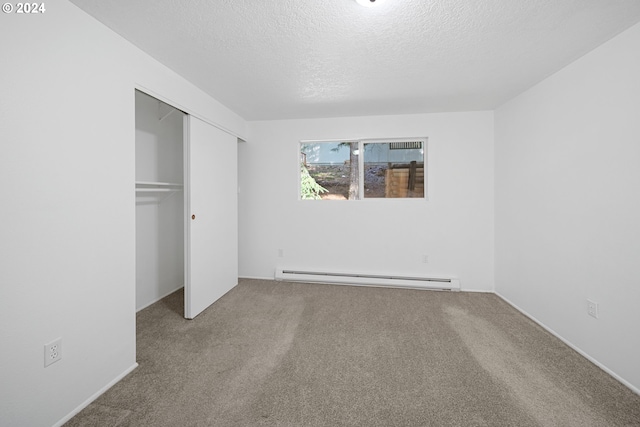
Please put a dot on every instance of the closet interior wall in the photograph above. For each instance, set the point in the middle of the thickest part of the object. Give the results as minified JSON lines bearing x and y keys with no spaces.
{"x":159,"y":200}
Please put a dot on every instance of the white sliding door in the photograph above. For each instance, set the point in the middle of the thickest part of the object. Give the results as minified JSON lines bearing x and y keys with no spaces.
{"x":211,"y":214}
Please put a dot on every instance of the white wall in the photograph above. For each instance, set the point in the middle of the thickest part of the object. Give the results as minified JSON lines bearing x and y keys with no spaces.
{"x":454,"y":227}
{"x":67,"y":221}
{"x":159,"y":216}
{"x":567,"y":207}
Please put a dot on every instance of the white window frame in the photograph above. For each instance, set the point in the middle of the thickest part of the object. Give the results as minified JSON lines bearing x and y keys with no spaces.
{"x":361,"y":143}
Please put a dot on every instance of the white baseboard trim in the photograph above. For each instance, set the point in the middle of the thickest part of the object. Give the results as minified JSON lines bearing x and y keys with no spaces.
{"x":95,"y":396}
{"x":159,"y":298}
{"x":462,"y":289}
{"x":574,"y":347}
{"x":256,"y":278}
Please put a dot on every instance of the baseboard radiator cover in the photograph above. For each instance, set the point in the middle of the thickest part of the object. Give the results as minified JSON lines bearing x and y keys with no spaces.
{"x":365,"y":279}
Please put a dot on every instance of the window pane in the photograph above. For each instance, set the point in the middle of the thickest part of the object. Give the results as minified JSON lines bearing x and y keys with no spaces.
{"x":394,"y":169}
{"x":329,"y":170}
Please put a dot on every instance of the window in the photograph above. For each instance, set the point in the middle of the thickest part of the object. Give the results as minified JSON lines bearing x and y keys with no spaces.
{"x":363,"y":169}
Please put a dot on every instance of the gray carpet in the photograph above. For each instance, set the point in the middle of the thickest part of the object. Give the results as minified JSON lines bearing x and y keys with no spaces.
{"x":285,"y":354}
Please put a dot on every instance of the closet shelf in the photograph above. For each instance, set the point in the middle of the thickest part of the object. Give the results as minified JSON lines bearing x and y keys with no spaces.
{"x":155,"y":192}
{"x":150,"y":184}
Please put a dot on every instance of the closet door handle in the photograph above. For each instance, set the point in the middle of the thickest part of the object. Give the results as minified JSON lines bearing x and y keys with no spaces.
{"x":193,"y":216}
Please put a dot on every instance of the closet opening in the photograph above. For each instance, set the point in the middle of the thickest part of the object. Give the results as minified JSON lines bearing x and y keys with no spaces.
{"x":159,"y":186}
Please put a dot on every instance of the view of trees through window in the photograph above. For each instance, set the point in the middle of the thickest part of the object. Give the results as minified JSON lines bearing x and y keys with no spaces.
{"x":353,"y":170}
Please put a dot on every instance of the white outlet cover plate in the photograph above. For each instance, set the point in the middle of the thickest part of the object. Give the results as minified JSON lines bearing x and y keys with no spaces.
{"x":592,"y":308}
{"x":52,"y":352}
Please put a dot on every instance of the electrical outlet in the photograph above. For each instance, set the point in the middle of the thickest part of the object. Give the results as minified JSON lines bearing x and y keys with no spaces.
{"x":52,"y":352}
{"x":592,"y":308}
{"x":280,"y":253}
{"x":425,"y":259}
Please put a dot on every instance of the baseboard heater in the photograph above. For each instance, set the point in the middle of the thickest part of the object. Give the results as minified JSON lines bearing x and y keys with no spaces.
{"x":362,"y":279}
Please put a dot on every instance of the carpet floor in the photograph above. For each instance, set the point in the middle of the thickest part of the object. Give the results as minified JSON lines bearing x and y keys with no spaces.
{"x":287,"y":354}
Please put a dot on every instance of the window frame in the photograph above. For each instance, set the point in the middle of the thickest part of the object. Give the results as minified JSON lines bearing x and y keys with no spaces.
{"x":361,"y":143}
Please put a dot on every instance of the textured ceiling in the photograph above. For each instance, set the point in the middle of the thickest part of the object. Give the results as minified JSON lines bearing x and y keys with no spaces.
{"x":277,"y":59}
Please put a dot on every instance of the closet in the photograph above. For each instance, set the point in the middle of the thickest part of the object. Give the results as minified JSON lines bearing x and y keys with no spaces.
{"x":186,"y":207}
{"x":159,"y":200}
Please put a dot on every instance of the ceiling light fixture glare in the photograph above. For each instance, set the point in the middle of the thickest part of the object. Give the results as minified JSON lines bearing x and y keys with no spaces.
{"x":369,"y":3}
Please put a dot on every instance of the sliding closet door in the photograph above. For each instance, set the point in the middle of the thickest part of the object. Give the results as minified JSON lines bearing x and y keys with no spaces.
{"x":211,"y":193}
